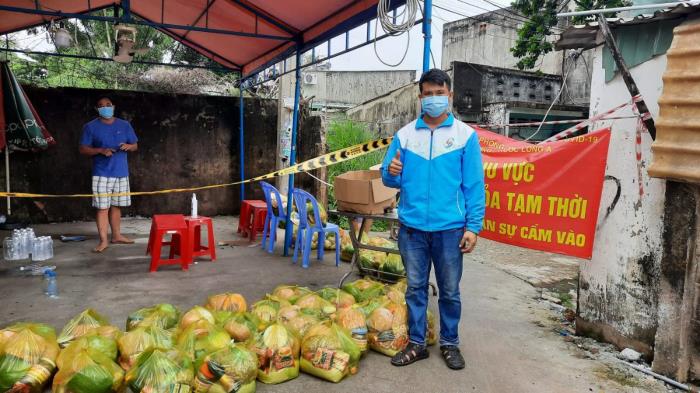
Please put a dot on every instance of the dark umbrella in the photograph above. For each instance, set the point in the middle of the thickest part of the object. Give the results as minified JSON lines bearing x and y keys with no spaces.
{"x":23,"y":129}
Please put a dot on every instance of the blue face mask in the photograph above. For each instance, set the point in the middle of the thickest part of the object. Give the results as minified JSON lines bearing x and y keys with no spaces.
{"x":434,"y":106}
{"x":106,"y":112}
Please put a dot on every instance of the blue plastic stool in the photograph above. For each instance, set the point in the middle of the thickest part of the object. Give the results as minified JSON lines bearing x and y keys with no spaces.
{"x":273,"y":217}
{"x":306,"y":230}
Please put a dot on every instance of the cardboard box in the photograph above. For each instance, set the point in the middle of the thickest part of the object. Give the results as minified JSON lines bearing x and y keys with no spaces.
{"x":363,"y":192}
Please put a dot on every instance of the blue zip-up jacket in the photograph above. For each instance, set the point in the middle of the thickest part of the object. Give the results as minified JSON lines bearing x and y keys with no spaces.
{"x":442,"y":182}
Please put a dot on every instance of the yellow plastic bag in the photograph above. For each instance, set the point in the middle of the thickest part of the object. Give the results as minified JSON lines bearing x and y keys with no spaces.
{"x":80,"y":325}
{"x":298,"y":321}
{"x":353,"y":320}
{"x":135,"y":342}
{"x":278,"y":354}
{"x":431,"y":336}
{"x":241,"y":326}
{"x":84,"y":368}
{"x":314,"y":303}
{"x":28,"y":354}
{"x":337,"y":297}
{"x":364,"y":289}
{"x":163,"y":315}
{"x":233,"y":302}
{"x":161,"y":371}
{"x":290,"y":293}
{"x":266,"y":310}
{"x":231,"y":369}
{"x":388,"y":328}
{"x":328,"y":352}
{"x":202,"y":338}
{"x":196,"y":313}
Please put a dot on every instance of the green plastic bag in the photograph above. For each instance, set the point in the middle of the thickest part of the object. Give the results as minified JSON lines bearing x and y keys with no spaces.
{"x":278,"y":354}
{"x":387,"y":328}
{"x":231,"y":369}
{"x":364,"y":289}
{"x":290,"y":293}
{"x":328,"y":352}
{"x":159,"y":370}
{"x":81,"y":325}
{"x":28,"y":354}
{"x":241,"y":326}
{"x":134,"y":343}
{"x":392,"y":269}
{"x":298,"y":321}
{"x":316,"y":305}
{"x":163,"y":315}
{"x":266,"y":310}
{"x":84,"y":368}
{"x":196,"y":313}
{"x":354,"y":321}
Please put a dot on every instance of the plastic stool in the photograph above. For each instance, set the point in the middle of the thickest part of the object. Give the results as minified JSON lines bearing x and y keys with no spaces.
{"x":175,"y":225}
{"x":194,"y":228}
{"x":258,"y":224}
{"x":247,"y":207}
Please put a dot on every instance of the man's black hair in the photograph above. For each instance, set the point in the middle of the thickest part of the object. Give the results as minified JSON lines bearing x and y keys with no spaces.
{"x":435,"y":76}
{"x":102,"y":98}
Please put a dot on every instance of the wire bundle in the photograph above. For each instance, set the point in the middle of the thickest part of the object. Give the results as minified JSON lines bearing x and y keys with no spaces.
{"x":405,"y":20}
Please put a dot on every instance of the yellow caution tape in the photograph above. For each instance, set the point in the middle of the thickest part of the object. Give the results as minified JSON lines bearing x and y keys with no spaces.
{"x":325,"y":160}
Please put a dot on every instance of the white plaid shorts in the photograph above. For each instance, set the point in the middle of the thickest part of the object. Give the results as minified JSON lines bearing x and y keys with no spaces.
{"x":110,"y":185}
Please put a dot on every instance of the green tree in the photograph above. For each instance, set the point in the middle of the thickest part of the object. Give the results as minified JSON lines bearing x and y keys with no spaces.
{"x":532,"y":42}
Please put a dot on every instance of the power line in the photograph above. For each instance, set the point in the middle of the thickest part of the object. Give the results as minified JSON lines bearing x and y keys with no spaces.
{"x":494,"y":11}
{"x":471,"y":17}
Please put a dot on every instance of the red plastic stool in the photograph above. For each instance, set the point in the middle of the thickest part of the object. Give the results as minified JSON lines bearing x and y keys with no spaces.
{"x":247,"y":207}
{"x":258,"y":223}
{"x":175,"y":225}
{"x":194,"y":228}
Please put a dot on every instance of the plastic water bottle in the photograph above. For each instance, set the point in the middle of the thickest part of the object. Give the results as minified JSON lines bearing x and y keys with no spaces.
{"x":51,"y":284}
{"x":194,"y":205}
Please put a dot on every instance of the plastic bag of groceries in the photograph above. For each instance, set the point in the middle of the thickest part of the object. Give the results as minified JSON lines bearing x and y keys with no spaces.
{"x":87,"y":365}
{"x":395,"y":293}
{"x":353,"y":320}
{"x":202,"y":338}
{"x":28,"y":354}
{"x":328,"y":352}
{"x":392,"y":269}
{"x":372,"y":259}
{"x":313,"y":303}
{"x":266,"y":310}
{"x":337,"y":297}
{"x":364,"y":289}
{"x":290,"y":293}
{"x":431,"y":336}
{"x":80,"y":325}
{"x":135,"y":342}
{"x":233,"y":302}
{"x":165,"y":316}
{"x":231,"y":369}
{"x":195,"y":314}
{"x":346,"y":248}
{"x":297,"y":320}
{"x":278,"y":354}
{"x":241,"y":326}
{"x":161,"y":370}
{"x":387,"y":328}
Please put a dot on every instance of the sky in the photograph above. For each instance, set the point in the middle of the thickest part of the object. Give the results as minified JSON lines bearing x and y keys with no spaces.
{"x":365,"y":59}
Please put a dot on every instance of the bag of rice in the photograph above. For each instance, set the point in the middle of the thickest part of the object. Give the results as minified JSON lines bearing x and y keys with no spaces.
{"x":165,"y":316}
{"x":231,"y":369}
{"x":278,"y":354}
{"x":161,"y":370}
{"x":28,"y":354}
{"x":328,"y":352}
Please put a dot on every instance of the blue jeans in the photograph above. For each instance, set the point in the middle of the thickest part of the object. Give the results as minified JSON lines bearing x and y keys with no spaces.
{"x":418,"y":249}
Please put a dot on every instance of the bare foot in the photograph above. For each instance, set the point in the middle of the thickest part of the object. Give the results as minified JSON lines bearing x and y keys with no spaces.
{"x":100,"y":247}
{"x":122,"y":240}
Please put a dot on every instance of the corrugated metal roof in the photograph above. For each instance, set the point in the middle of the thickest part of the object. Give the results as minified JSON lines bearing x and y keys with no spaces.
{"x":586,"y":36}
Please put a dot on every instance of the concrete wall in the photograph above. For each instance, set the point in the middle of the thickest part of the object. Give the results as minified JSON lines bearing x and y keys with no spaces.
{"x":619,"y":286}
{"x":184,"y":141}
{"x":474,"y":40}
{"x":388,"y":113}
{"x":347,"y":88}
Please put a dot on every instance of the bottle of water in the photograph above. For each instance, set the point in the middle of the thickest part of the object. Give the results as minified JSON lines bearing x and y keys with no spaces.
{"x":51,"y":284}
{"x":194,"y":206}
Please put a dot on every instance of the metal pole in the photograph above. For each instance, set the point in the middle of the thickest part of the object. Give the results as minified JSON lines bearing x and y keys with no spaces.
{"x":427,"y":16}
{"x":626,"y":76}
{"x":293,"y":152}
{"x":241,"y":150}
{"x":7,"y":176}
{"x":629,"y":8}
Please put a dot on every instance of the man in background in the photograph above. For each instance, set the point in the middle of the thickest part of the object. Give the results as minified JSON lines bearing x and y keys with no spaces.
{"x":108,"y":140}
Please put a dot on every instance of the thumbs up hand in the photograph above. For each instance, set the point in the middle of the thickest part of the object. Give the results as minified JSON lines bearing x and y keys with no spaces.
{"x":396,"y":165}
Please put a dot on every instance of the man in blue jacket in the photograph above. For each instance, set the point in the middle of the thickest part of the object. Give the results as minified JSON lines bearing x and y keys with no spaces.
{"x":436,"y":162}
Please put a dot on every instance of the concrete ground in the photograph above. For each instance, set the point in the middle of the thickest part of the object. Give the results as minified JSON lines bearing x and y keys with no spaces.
{"x":508,"y":336}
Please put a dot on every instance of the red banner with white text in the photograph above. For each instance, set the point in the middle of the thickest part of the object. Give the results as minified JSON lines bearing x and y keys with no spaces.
{"x":546,"y":196}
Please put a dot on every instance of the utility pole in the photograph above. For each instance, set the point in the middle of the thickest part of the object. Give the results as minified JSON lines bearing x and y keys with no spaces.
{"x":626,"y":76}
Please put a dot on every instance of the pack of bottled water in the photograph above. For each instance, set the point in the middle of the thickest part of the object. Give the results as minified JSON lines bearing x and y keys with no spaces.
{"x":23,"y":243}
